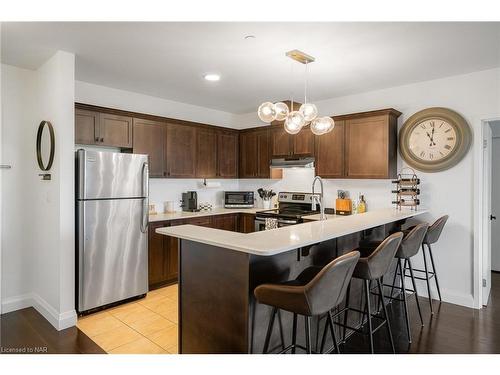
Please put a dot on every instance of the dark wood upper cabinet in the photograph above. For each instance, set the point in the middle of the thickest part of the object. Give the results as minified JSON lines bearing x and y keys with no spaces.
{"x":206,"y":153}
{"x":263,"y":156}
{"x":281,"y":142}
{"x":115,"y":130}
{"x":254,"y":153}
{"x":329,"y":152}
{"x":227,"y":154}
{"x":303,"y":143}
{"x":371,"y":145}
{"x":181,"y":151}
{"x":285,"y":145}
{"x":150,"y":139}
{"x":86,"y":127}
{"x":248,"y":155}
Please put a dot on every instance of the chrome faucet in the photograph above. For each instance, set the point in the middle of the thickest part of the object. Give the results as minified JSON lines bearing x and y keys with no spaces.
{"x":318,"y":198}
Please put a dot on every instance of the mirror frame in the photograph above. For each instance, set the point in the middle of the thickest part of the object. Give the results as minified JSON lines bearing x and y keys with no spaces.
{"x":39,"y":145}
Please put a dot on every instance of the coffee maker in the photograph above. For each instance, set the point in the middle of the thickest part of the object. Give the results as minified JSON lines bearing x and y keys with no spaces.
{"x":189,"y":201}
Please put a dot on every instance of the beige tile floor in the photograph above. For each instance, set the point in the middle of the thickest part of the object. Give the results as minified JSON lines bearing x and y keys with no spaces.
{"x":146,"y":326}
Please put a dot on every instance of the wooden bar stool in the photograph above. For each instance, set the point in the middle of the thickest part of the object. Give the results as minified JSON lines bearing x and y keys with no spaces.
{"x":313,"y":293}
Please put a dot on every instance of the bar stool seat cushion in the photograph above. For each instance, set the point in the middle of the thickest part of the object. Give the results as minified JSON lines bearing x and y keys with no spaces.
{"x":314,"y":291}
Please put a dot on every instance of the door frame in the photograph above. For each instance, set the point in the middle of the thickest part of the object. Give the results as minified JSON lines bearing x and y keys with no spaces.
{"x":481,"y":243}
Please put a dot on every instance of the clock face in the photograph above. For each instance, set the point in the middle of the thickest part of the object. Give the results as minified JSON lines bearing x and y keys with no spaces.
{"x":432,"y":140}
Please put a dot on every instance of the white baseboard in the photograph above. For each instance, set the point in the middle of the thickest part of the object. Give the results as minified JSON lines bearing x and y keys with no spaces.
{"x":60,"y":321}
{"x":17,"y":303}
{"x":466,"y":300}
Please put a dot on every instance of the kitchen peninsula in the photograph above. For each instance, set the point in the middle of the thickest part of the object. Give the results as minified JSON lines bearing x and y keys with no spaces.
{"x":218,"y":271}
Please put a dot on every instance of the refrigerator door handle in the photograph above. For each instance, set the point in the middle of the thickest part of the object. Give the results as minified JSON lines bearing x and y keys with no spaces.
{"x":145,"y":194}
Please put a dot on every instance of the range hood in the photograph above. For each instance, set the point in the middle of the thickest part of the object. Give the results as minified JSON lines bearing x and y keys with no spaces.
{"x":293,"y":162}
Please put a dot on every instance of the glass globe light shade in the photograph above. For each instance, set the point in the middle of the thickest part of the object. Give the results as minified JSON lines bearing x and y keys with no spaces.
{"x":331,"y":124}
{"x":267,"y":112}
{"x":309,"y":111}
{"x":294,"y":122}
{"x":281,"y":111}
{"x":322,"y":125}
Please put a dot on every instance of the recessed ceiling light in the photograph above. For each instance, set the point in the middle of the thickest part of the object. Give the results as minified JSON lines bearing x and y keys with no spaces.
{"x":211,"y":77}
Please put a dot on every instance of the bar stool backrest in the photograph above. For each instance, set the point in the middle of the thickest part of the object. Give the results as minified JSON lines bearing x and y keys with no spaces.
{"x":410,"y":245}
{"x":435,"y":230}
{"x":328,"y":288}
{"x":377,"y":263}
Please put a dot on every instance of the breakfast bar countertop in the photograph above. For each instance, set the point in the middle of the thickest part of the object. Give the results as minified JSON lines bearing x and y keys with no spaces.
{"x":276,"y":241}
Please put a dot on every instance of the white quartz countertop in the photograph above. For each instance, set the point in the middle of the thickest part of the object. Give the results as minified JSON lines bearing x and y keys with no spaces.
{"x":276,"y":241}
{"x":191,"y":215}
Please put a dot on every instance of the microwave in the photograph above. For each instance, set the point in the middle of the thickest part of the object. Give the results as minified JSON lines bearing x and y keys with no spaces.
{"x":238,"y":199}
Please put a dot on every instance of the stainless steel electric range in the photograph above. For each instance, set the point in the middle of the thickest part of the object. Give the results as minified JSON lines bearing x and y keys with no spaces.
{"x":292,"y":208}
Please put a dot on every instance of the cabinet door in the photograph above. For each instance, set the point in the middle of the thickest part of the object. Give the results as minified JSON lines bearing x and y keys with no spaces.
{"x":329,"y":152}
{"x":149,"y":138}
{"x":206,"y":153}
{"x":181,"y":151}
{"x":172,"y":258}
{"x":248,"y":154}
{"x":262,"y":139}
{"x":157,"y":257}
{"x":303,"y":142}
{"x":246,"y":223}
{"x":280,"y":143}
{"x":225,"y":222}
{"x":367,"y":147}
{"x":115,"y":131}
{"x":227,"y":154}
{"x":86,"y":127}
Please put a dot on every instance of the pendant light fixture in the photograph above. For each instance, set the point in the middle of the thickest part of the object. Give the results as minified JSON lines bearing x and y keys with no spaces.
{"x":294,"y":121}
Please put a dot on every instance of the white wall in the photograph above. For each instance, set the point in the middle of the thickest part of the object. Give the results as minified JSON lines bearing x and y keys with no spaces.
{"x":38,"y":267}
{"x":18,"y":116}
{"x":476,"y":96}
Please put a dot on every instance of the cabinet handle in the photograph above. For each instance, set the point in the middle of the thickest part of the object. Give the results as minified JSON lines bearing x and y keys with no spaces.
{"x":102,"y":140}
{"x":97,"y":139}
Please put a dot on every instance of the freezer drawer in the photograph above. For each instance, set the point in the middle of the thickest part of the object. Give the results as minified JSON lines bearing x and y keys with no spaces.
{"x":108,"y":175}
{"x":112,"y":252}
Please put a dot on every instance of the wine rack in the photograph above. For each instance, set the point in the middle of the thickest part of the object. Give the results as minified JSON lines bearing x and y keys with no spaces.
{"x":407,"y":189}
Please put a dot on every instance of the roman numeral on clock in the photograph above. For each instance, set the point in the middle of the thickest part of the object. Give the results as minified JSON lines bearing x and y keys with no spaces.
{"x":448,"y":147}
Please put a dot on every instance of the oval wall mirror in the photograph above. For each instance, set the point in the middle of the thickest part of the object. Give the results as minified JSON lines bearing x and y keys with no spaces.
{"x":45,"y":145}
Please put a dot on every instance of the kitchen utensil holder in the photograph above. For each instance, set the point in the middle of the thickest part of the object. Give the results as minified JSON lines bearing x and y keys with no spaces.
{"x":407,"y":189}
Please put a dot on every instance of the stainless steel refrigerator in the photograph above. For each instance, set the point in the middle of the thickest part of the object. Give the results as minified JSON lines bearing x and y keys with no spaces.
{"x":112,"y":224}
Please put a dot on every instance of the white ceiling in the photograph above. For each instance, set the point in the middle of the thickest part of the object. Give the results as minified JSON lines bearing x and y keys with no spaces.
{"x":168,"y":60}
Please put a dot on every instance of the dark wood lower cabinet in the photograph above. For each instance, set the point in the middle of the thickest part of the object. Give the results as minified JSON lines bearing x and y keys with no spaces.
{"x":158,"y":258}
{"x":226,"y":222}
{"x":246,"y":223}
{"x":163,"y":250}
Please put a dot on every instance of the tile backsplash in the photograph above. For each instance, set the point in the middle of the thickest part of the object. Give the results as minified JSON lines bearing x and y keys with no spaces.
{"x":377,"y":192}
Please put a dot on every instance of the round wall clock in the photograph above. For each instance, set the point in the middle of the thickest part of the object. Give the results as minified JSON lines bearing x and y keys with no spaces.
{"x":434,"y":139}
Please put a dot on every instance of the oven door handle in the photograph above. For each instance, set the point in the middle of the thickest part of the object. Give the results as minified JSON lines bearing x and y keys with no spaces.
{"x":282,"y":221}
